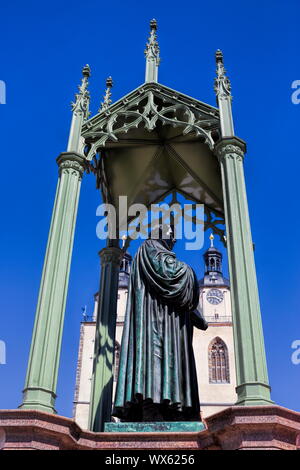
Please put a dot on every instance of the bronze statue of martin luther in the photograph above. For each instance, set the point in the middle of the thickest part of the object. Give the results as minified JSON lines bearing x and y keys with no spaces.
{"x":157,"y":378}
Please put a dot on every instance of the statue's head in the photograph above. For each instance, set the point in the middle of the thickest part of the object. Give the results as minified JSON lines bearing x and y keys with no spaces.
{"x":164,"y":232}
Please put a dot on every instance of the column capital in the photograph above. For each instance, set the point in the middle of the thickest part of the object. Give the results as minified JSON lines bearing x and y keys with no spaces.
{"x":111,"y":254}
{"x":232,"y":147}
{"x":71,"y":161}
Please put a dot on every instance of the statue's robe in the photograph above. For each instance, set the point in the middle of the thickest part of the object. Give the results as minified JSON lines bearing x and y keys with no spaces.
{"x":157,"y":366}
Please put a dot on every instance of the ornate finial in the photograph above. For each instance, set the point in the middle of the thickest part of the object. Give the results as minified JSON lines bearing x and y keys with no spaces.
{"x":82,"y":99}
{"x":211,"y":237}
{"x":86,"y":71}
{"x":222,"y":83}
{"x":152,"y":54}
{"x":153,"y":24}
{"x":219,"y":56}
{"x":106,"y":98}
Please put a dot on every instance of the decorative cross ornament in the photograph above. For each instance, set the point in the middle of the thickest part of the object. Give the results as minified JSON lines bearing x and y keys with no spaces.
{"x":152,"y":54}
{"x":82,"y":99}
{"x":222,"y":83}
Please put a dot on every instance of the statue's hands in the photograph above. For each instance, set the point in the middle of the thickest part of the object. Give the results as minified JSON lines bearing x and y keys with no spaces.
{"x":198,"y":320}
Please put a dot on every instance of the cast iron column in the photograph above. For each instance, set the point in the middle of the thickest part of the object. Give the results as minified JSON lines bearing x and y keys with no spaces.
{"x":252,"y":377}
{"x":41,"y":379}
{"x":102,"y":383}
{"x":43,"y":364}
{"x":251,"y":367}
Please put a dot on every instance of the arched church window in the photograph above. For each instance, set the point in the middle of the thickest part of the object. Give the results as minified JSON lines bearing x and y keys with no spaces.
{"x":116,"y":361}
{"x":218,"y":362}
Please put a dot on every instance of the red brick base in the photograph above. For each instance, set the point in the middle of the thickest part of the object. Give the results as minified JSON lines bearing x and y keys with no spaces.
{"x":260,"y":427}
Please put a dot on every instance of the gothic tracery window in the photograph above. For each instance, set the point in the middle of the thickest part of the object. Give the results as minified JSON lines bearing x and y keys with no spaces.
{"x":218,"y":362}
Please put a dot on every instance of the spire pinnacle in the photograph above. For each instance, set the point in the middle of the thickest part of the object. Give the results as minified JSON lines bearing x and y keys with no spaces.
{"x":82,"y":99}
{"x":86,"y":71}
{"x":152,"y":54}
{"x":223,"y":92}
{"x":107,"y":97}
{"x":211,"y":237}
{"x":222,"y":83}
{"x":80,"y":109}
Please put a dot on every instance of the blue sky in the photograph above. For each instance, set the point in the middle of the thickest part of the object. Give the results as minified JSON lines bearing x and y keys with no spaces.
{"x":43,"y":48}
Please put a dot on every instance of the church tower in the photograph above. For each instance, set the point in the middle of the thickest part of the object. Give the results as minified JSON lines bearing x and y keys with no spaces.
{"x":214,"y":348}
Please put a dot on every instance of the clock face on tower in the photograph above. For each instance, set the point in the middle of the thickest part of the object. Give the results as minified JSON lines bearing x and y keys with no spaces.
{"x":214,"y":296}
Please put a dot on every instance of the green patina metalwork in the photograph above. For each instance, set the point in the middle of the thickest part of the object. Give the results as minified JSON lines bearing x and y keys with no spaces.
{"x":41,"y":379}
{"x":251,"y":366}
{"x":102,"y":383}
{"x":157,"y":374}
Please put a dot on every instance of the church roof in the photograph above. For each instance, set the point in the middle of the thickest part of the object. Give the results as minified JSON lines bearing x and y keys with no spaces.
{"x":213,"y":271}
{"x":214,"y":280}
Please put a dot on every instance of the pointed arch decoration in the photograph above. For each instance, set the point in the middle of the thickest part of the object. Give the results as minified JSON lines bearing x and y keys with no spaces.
{"x":218,"y":362}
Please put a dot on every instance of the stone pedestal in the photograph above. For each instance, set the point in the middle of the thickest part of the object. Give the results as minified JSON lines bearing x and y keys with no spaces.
{"x":235,"y":428}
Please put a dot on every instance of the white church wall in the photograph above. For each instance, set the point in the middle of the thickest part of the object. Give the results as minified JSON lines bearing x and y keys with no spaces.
{"x":84,"y":373}
{"x":214,"y":396}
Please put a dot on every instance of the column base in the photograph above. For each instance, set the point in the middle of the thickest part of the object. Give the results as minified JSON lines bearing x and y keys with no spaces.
{"x":38,"y":399}
{"x":253,"y":394}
